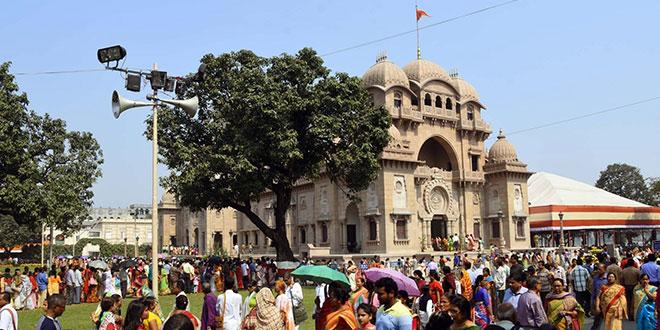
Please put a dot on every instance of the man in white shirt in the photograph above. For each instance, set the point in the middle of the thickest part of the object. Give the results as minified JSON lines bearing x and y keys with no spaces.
{"x":77,"y":285}
{"x":500,"y":279}
{"x":8,"y":315}
{"x":294,"y":292}
{"x":177,"y":289}
{"x":229,"y":306}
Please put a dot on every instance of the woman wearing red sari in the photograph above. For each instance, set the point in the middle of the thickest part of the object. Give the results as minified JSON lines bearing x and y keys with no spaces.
{"x":91,"y":280}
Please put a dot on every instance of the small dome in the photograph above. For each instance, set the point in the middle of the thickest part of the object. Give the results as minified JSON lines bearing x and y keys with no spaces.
{"x":421,"y":70}
{"x":394,"y":132}
{"x":385,"y":74}
{"x":465,"y":90}
{"x":168,"y":198}
{"x":502,"y":150}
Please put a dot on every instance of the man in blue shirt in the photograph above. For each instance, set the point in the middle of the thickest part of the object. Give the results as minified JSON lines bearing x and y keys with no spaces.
{"x":56,"y":306}
{"x":42,"y":286}
{"x":651,"y":269}
{"x":515,"y":290}
{"x":600,"y":278}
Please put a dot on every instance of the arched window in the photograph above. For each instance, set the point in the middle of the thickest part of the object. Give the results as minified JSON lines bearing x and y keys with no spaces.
{"x":438,"y":102}
{"x":397,"y":100}
{"x":448,"y":104}
{"x":414,"y":101}
{"x":427,"y":100}
{"x":303,"y":236}
{"x":520,"y":228}
{"x":373,"y":230}
{"x":470,"y":112}
{"x":256,"y":238}
{"x":324,"y":233}
{"x":458,"y":107}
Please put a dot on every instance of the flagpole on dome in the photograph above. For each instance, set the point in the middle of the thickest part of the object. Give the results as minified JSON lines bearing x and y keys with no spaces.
{"x":419,"y":14}
{"x":419,"y":52}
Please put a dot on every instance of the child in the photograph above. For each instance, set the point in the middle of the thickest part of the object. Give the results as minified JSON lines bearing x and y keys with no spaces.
{"x":196,"y":282}
{"x":364,"y":314}
{"x":106,"y":320}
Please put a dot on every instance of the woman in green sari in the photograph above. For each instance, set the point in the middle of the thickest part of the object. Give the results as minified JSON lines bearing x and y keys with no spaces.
{"x":563,"y":309}
{"x":460,"y":311}
{"x":644,"y":296}
{"x":163,"y":286}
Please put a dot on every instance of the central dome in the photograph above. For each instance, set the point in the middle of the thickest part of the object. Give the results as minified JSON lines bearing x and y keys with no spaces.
{"x":422,"y":70}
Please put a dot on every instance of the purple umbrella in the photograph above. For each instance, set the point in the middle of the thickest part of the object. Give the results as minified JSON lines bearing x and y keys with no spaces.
{"x":402,"y":281}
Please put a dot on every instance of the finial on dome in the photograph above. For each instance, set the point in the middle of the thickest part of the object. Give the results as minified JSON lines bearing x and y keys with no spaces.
{"x":382,"y":56}
{"x":501,"y":136}
{"x":453,"y":73}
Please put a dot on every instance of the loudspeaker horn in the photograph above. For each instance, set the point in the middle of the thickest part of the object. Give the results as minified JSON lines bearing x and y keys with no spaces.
{"x":121,"y":104}
{"x":189,"y":105}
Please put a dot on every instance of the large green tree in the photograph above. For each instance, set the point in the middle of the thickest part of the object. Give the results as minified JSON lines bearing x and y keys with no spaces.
{"x":265,"y":124}
{"x":654,"y":191}
{"x":624,"y":180}
{"x":14,"y":234}
{"x":46,"y":172}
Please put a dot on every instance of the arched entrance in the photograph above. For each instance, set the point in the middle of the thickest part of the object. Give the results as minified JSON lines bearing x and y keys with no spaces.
{"x":187,"y":237}
{"x":196,"y":238}
{"x":439,"y":226}
{"x":437,"y":152}
{"x":352,"y":228}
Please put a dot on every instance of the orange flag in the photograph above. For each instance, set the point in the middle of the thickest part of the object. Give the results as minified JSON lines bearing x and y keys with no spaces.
{"x":421,"y":13}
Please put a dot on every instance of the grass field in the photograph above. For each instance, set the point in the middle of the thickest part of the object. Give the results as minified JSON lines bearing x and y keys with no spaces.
{"x":78,"y":317}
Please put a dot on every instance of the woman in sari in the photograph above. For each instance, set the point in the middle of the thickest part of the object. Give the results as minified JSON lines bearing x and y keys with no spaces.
{"x":644,"y":296}
{"x":611,"y":300}
{"x":284,"y":304}
{"x":342,"y":316}
{"x":163,"y":287}
{"x":25,"y":292}
{"x":359,"y":295}
{"x":466,"y":285}
{"x":93,"y":284}
{"x":264,"y":316}
{"x":459,"y":310}
{"x":563,"y":309}
{"x":483,"y":307}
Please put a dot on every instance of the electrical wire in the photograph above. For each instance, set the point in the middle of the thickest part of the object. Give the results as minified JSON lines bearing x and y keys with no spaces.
{"x":55,"y":72}
{"x":581,"y":116}
{"x":421,"y":28}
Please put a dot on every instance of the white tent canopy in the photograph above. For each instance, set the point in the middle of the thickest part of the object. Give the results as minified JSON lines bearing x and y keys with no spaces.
{"x":551,"y":189}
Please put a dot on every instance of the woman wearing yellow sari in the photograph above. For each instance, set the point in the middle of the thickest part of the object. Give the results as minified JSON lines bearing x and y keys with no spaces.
{"x":360,"y":295}
{"x":611,"y":300}
{"x":466,"y":285}
{"x":644,"y":296}
{"x":563,"y":309}
{"x":342,"y":316}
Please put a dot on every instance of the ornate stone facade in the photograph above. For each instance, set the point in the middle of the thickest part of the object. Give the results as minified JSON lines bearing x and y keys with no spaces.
{"x":436,"y":177}
{"x":208,"y":230}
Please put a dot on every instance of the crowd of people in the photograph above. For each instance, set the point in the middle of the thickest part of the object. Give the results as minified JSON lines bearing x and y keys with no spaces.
{"x":465,"y":292}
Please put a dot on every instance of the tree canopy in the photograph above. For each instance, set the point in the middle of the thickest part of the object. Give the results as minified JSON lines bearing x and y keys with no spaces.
{"x":624,"y":180}
{"x":263,"y":125}
{"x":46,"y":172}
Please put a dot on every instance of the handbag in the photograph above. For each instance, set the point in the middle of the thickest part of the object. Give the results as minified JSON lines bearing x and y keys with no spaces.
{"x":299,"y":312}
{"x":220,"y":320}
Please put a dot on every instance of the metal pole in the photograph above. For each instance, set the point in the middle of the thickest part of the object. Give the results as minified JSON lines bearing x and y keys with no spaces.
{"x":561,"y":229}
{"x":43,"y":228}
{"x":154,"y":201}
{"x":419,"y":53}
{"x":50,"y":247}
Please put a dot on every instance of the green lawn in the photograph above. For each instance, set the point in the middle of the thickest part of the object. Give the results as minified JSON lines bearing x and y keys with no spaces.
{"x":78,"y":317}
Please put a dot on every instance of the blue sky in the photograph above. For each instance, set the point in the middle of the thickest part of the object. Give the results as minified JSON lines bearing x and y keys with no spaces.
{"x":532,"y":62}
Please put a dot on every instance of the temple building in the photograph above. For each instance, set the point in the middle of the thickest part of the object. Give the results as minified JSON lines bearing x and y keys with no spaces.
{"x":436,"y":177}
{"x":209,"y":230}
